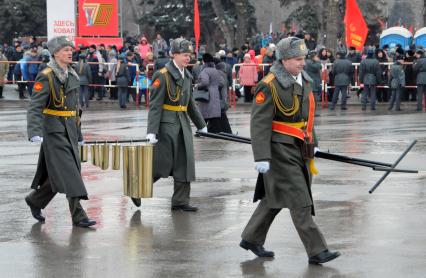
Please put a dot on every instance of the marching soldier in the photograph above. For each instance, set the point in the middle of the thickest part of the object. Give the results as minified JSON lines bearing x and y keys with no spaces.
{"x":53,"y":120}
{"x":171,"y":103}
{"x":283,"y":143}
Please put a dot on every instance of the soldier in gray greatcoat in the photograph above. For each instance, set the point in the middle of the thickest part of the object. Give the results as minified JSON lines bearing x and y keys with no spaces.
{"x":279,"y":131}
{"x":53,"y":120}
{"x":342,"y":72}
{"x":419,"y":68}
{"x":313,"y":68}
{"x":369,"y":76}
{"x":396,"y":83}
{"x":170,"y":108}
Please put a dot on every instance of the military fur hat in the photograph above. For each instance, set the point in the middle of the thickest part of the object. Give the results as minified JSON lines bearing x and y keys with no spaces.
{"x":181,"y":46}
{"x":57,"y":43}
{"x":290,"y":47}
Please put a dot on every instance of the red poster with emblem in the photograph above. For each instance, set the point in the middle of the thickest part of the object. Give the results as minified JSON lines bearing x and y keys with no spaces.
{"x":98,"y":18}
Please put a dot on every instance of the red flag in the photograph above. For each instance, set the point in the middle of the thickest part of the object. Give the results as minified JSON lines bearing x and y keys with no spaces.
{"x":196,"y":25}
{"x":411,"y":29}
{"x":356,"y":28}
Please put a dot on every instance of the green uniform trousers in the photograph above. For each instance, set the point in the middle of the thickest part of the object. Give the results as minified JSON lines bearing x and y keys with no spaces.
{"x":262,"y":218}
{"x":180,"y":193}
{"x":41,"y":197}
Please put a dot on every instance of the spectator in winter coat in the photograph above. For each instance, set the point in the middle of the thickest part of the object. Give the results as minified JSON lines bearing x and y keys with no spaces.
{"x":137,"y":59}
{"x":111,"y":74}
{"x":224,"y":66}
{"x":410,"y":76}
{"x":4,"y":68}
{"x":123,"y":80}
{"x":252,"y":55}
{"x":419,"y":68}
{"x":382,"y":93}
{"x":322,"y":54}
{"x":342,"y":72}
{"x":159,"y":44}
{"x":353,"y":56}
{"x":313,"y":68}
{"x":310,"y":42}
{"x":20,"y":72}
{"x":149,"y":60}
{"x":369,"y":76}
{"x":223,"y":71}
{"x":396,"y":83}
{"x":211,"y":80}
{"x":248,"y":77}
{"x":32,"y":70}
{"x":161,"y":61}
{"x":144,"y":47}
{"x":45,"y":58}
{"x":85,"y":74}
{"x":269,"y":58}
{"x":92,"y":57}
{"x":231,"y":59}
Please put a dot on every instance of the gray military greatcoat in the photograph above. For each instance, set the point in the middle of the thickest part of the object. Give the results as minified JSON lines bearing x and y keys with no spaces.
{"x":288,"y":182}
{"x":174,"y":152}
{"x":59,"y":156}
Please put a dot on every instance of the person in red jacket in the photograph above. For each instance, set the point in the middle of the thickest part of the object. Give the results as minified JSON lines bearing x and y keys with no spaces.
{"x":248,"y":77}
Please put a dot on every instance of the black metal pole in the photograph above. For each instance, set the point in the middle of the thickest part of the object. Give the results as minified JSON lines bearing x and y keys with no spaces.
{"x":346,"y":159}
{"x":235,"y":136}
{"x":395,"y":170}
{"x":375,"y":165}
{"x":393,"y":166}
{"x":222,"y":137}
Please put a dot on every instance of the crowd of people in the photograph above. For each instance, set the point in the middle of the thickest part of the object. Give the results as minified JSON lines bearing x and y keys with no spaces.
{"x":385,"y":74}
{"x":108,"y":71}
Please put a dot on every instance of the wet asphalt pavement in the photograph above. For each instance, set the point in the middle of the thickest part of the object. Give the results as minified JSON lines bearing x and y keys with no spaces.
{"x":379,"y":235}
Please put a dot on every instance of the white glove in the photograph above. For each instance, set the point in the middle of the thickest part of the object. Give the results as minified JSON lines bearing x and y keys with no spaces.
{"x":204,"y":129}
{"x":316,"y":149}
{"x":36,"y":139}
{"x":261,"y":166}
{"x":152,"y":138}
{"x":81,"y":143}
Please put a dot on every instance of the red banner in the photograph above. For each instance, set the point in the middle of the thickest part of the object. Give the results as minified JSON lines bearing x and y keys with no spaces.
{"x":97,"y":41}
{"x":98,"y":18}
{"x":196,"y":25}
{"x":356,"y":28}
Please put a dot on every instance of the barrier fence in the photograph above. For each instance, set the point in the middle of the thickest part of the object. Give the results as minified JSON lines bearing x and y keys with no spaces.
{"x":107,"y":85}
{"x":232,"y":96}
{"x":325,"y":85}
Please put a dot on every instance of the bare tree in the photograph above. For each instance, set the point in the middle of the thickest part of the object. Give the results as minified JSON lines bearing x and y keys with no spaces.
{"x":226,"y":27}
{"x":332,"y":23}
{"x":242,"y":22}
